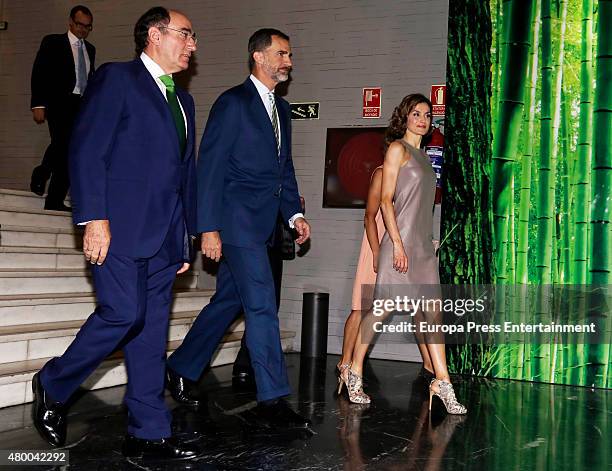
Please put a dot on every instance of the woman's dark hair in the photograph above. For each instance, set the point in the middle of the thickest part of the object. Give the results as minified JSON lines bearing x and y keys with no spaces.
{"x":398,"y":121}
{"x":260,"y":40}
{"x":156,"y":16}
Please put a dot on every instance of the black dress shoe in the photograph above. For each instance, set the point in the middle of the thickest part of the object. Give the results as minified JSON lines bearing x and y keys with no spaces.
{"x":280,"y":414}
{"x":240,"y":370}
{"x":49,"y":417}
{"x":244,"y":381}
{"x":162,"y":449}
{"x":57,"y":207}
{"x":40,"y":175}
{"x":179,"y":389}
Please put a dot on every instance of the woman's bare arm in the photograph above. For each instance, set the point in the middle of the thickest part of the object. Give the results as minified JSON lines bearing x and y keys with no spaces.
{"x":369,"y":220}
{"x":394,"y":159}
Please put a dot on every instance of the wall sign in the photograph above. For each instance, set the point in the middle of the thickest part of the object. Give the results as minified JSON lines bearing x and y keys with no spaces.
{"x":438,"y":99}
{"x":304,"y":110}
{"x":371,"y":102}
{"x":435,"y":143}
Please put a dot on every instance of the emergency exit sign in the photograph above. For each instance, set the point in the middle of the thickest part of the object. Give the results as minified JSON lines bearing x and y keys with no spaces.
{"x":305,"y":110}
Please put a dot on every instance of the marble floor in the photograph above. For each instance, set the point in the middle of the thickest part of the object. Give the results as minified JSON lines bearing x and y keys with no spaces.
{"x":511,"y":425}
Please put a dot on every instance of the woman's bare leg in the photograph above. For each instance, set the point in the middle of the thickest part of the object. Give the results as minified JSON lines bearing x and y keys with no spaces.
{"x":427,"y":363}
{"x":351,"y":330}
{"x":364,"y":338}
{"x":422,"y":344}
{"x":434,"y":342}
{"x":359,"y":351}
{"x":437,"y":353}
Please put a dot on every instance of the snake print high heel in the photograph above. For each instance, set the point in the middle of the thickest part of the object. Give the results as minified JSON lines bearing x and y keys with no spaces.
{"x":354,"y":386}
{"x":447,"y":396}
{"x":341,"y":381}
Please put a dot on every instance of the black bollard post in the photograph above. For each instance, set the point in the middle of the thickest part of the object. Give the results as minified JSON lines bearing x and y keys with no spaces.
{"x":315,"y":313}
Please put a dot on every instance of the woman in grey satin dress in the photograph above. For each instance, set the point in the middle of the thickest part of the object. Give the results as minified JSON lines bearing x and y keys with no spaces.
{"x":407,"y":263}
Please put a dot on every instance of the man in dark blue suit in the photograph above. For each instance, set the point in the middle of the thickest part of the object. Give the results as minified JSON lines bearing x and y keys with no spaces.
{"x":245,"y":178}
{"x":62,"y":67}
{"x":133,"y":179}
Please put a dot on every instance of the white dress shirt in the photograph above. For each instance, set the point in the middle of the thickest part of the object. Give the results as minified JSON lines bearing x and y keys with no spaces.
{"x":156,"y":71}
{"x":74,"y":45}
{"x":263,"y":94}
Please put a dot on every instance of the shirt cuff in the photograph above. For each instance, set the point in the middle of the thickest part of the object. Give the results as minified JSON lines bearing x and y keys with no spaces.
{"x":38,"y":107}
{"x":83,"y":223}
{"x":293,"y":218}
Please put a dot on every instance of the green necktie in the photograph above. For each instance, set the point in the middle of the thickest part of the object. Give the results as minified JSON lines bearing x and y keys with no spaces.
{"x":175,"y":109}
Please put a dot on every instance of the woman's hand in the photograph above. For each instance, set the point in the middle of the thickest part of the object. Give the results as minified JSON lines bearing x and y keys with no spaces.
{"x":400,"y":260}
{"x":375,"y":261}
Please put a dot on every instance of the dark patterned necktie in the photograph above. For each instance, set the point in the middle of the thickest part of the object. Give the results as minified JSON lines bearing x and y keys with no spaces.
{"x":81,"y":67}
{"x":274,"y":119}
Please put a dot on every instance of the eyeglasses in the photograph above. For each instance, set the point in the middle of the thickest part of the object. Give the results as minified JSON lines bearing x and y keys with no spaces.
{"x":185,"y":35}
{"x":87,"y":26}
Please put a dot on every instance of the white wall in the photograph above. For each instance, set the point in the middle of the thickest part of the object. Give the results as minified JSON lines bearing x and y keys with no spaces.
{"x":339,"y":47}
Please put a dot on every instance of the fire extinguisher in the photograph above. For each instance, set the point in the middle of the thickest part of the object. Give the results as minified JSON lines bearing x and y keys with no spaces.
{"x":435,"y":151}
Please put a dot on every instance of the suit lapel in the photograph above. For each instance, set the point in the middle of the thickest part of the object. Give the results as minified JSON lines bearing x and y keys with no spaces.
{"x":70,"y":56}
{"x":183,"y":98}
{"x":152,"y":91}
{"x":68,"y":53}
{"x":260,"y":115}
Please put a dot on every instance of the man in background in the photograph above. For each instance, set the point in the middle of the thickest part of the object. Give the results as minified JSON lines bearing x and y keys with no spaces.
{"x":63,"y":65}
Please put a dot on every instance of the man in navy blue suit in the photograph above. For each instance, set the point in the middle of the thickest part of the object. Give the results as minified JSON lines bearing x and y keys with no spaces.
{"x":62,"y":67}
{"x":245,"y":178}
{"x":133,"y":186}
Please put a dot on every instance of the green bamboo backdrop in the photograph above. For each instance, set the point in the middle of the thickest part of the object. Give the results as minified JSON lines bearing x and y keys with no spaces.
{"x":538,"y":158}
{"x":467,"y":218}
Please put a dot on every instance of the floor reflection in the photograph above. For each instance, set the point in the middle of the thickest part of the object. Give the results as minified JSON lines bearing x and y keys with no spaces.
{"x":425,"y":445}
{"x":349,"y":427}
{"x":511,"y":425}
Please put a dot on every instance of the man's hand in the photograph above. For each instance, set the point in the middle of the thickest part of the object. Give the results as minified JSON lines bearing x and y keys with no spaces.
{"x":39,"y":115}
{"x":183,"y":269}
{"x":303,"y":230}
{"x":211,"y":245}
{"x":96,"y":241}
